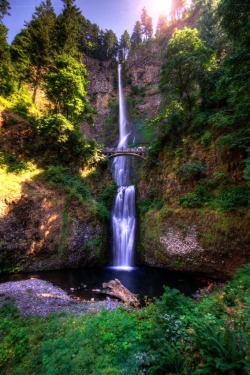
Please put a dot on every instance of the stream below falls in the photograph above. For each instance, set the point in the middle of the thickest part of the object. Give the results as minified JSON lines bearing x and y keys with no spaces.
{"x":143,"y":281}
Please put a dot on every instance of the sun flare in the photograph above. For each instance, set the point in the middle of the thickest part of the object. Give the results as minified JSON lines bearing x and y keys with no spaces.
{"x":162,"y":7}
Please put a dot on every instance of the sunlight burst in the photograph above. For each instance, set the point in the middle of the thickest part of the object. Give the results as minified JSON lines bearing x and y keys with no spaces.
{"x":162,"y":7}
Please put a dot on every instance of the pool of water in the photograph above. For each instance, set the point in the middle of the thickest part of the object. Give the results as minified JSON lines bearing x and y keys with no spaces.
{"x":143,"y":281}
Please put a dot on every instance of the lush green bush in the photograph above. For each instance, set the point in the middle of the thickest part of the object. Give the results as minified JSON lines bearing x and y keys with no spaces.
{"x":63,"y":143}
{"x":13,"y":163}
{"x":192,"y":171}
{"x":77,"y":188}
{"x":233,"y":198}
{"x":146,"y":204}
{"x":197,"y":198}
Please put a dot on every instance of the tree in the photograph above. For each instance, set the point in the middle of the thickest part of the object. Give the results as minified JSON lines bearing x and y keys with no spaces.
{"x":41,"y":48}
{"x":4,"y":8}
{"x":20,"y":56}
{"x":66,"y":87}
{"x":235,"y":20}
{"x":68,"y":28}
{"x":124,"y":45}
{"x":162,"y":26}
{"x":187,"y":60}
{"x":109,"y":45}
{"x":207,"y":22}
{"x":147,"y":25}
{"x":234,"y":85}
{"x":236,"y":81}
{"x":177,"y":10}
{"x":136,"y":37}
{"x":6,"y":68}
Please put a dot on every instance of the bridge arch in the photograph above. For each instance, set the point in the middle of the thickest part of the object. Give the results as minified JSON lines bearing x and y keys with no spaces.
{"x":114,"y":155}
{"x":139,"y":152}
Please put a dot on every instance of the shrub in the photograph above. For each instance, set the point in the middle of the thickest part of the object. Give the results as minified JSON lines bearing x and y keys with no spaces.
{"x":13,"y":163}
{"x":147,"y":204}
{"x":233,"y":198}
{"x":63,"y":142}
{"x":192,"y":171}
{"x":196,"y":198}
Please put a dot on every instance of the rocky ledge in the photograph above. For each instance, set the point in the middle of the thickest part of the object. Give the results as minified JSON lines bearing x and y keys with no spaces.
{"x":35,"y":297}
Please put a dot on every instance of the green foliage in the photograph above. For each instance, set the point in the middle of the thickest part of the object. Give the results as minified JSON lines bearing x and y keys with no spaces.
{"x":7,"y":75}
{"x":174,"y":335}
{"x":124,"y":46}
{"x":136,"y":37}
{"x":146,"y":204}
{"x":77,"y":188}
{"x":233,"y":198}
{"x":13,"y":163}
{"x":67,"y":30}
{"x":4,"y":8}
{"x":198,"y":198}
{"x":107,"y":196}
{"x":63,"y":178}
{"x":192,"y":171}
{"x":223,"y":349}
{"x":63,"y":142}
{"x":66,"y":87}
{"x":187,"y":59}
{"x":229,"y":199}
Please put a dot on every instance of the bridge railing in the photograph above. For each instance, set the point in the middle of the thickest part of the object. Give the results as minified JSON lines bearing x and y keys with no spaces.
{"x":133,"y":150}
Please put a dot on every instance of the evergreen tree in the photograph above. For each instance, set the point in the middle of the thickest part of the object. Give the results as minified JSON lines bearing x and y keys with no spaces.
{"x":162,"y":26}
{"x":136,"y":37}
{"x":4,"y":8}
{"x":89,"y":41}
{"x":234,"y":85}
{"x":147,"y":25}
{"x":177,"y":10}
{"x":235,"y":18}
{"x":68,"y":28}
{"x":207,"y":22}
{"x":20,"y":54}
{"x":110,"y":44}
{"x":124,"y":45}
{"x":41,"y":49}
{"x":6,"y":69}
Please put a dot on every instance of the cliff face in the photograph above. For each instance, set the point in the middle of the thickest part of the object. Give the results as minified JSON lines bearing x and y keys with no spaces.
{"x":102,"y":76}
{"x":205,"y":237}
{"x":143,"y":73}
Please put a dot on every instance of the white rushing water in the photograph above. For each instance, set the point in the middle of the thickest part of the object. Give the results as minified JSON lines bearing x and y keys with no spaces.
{"x":124,"y":214}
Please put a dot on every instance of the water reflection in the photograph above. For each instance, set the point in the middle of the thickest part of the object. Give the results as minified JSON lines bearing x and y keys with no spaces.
{"x":139,"y":280}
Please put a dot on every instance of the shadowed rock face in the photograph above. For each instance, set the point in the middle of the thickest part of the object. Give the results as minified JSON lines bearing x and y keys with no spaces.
{"x":35,"y":236}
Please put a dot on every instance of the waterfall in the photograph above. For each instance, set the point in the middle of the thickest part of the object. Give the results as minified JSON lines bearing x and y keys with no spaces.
{"x":123,"y":214}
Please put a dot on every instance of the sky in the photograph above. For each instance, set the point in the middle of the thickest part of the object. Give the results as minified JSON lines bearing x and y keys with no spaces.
{"x":117,"y":15}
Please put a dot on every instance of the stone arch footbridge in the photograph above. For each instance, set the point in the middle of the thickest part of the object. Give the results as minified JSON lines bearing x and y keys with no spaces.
{"x":140,"y":152}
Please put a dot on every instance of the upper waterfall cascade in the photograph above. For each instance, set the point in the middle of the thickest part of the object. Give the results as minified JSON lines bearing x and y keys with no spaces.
{"x":124,"y":212}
